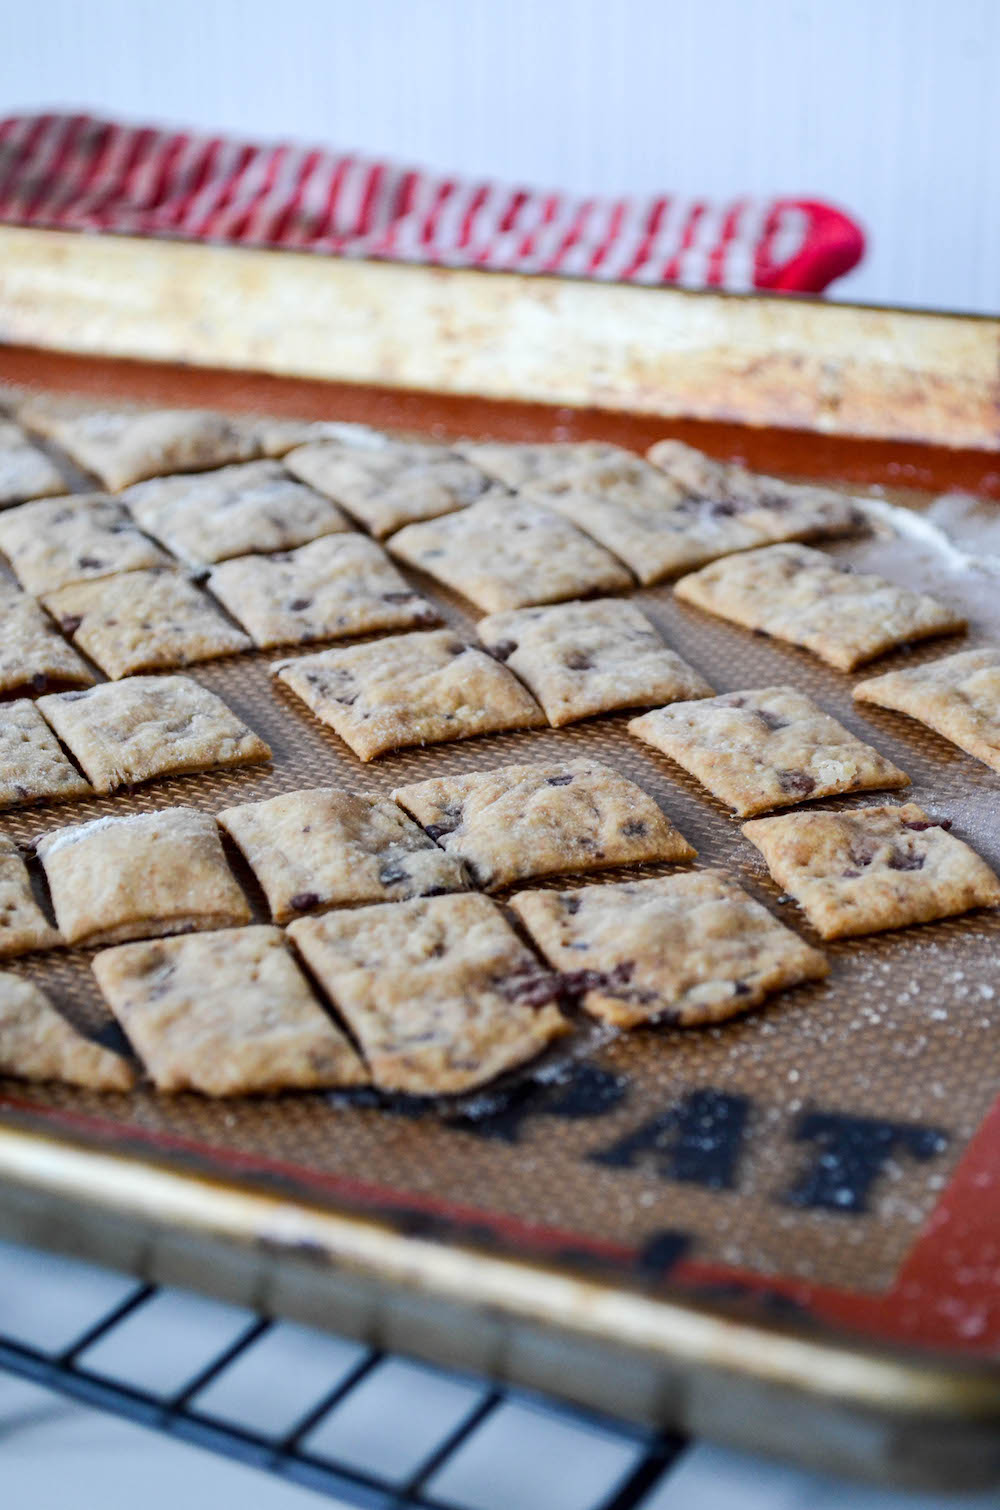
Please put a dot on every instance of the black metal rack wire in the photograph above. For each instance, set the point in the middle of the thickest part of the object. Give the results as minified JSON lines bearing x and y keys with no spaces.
{"x":289,"y":1456}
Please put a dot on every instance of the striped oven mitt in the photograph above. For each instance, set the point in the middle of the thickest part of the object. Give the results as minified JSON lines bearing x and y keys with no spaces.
{"x":73,"y":172}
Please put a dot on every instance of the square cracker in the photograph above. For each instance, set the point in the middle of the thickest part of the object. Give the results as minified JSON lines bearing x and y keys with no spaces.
{"x":122,"y":446}
{"x":867,"y":869}
{"x":23,"y":924}
{"x":778,"y":510}
{"x":409,"y":689}
{"x":32,"y":652}
{"x":140,"y":876}
{"x":684,"y":950}
{"x":516,"y":464}
{"x":56,"y":541}
{"x":279,"y":436}
{"x":126,"y":732}
{"x":585,"y":658}
{"x":211,"y":516}
{"x":385,"y":487}
{"x":440,"y":992}
{"x":809,"y":599}
{"x":766,"y":747}
{"x":33,"y":767}
{"x":38,"y":1043}
{"x":958,"y":697}
{"x":334,"y":588}
{"x":329,"y":848}
{"x":226,"y":1013}
{"x":144,"y":621}
{"x":510,"y":553}
{"x":642,"y":516}
{"x":25,"y":471}
{"x":534,"y":820}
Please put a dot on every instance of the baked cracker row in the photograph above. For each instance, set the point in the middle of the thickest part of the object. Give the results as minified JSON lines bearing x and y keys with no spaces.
{"x":810,"y":599}
{"x":660,"y":526}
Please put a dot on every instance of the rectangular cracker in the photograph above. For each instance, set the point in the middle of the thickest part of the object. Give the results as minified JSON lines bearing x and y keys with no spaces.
{"x":56,"y":541}
{"x":23,"y":924}
{"x":643,"y":517}
{"x":227,"y":1014}
{"x":510,"y":553}
{"x":683,"y":950}
{"x":534,"y":820}
{"x":125,"y":732}
{"x":140,"y":876}
{"x":32,"y":653}
{"x":279,"y":436}
{"x":325,"y":848}
{"x":584,"y":658}
{"x":211,"y":516}
{"x":38,"y":1043}
{"x":121,"y":446}
{"x":332,"y":589}
{"x":803,"y":596}
{"x":25,"y":471}
{"x":867,"y":869}
{"x":958,"y":697}
{"x":410,"y":689}
{"x":33,"y":767}
{"x":384,"y":487}
{"x":662,"y":524}
{"x":439,"y":991}
{"x":778,"y":510}
{"x":765,"y":747}
{"x":516,"y":464}
{"x":144,"y":621}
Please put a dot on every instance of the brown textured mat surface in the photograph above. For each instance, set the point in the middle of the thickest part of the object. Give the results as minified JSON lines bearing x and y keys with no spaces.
{"x":905,"y":1030}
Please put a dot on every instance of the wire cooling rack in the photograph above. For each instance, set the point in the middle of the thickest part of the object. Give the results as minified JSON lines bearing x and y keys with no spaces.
{"x":325,"y":1414}
{"x":367,"y":1429}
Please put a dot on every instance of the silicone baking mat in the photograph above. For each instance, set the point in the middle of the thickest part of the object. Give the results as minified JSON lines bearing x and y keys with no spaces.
{"x":805,"y":1159}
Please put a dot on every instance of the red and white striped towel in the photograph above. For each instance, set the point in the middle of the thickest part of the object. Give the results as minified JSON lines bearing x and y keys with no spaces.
{"x":77,"y":173}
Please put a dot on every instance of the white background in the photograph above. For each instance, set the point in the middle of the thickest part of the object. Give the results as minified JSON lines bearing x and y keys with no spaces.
{"x":889,"y":107}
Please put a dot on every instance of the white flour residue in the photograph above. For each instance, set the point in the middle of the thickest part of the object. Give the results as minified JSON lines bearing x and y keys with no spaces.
{"x":923,"y":529}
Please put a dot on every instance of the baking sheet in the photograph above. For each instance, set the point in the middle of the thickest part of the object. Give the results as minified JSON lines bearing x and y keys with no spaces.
{"x":659,"y":1154}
